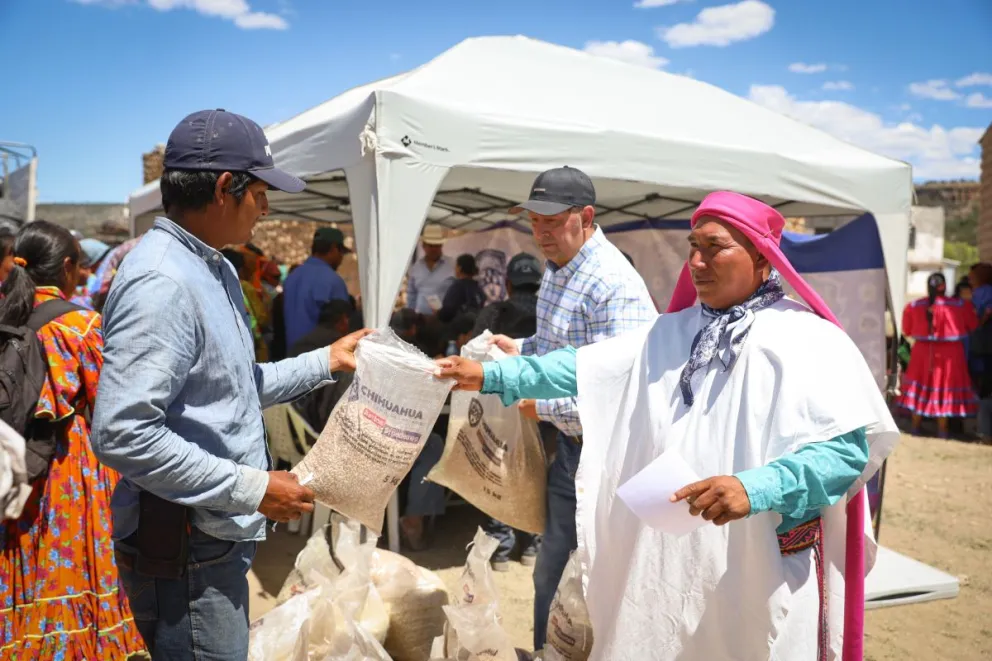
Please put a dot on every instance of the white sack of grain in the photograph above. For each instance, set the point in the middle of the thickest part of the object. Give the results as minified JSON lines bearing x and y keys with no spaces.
{"x":569,"y":628}
{"x":351,"y":583}
{"x":494,"y":457}
{"x":477,"y":584}
{"x":321,"y":621}
{"x":473,"y":633}
{"x":376,"y":430}
{"x":414,"y":597}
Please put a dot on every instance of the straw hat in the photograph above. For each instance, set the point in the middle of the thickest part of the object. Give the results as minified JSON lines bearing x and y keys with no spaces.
{"x":433,"y":235}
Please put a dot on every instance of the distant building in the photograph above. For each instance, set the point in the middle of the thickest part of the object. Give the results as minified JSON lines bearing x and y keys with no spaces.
{"x":926,"y":251}
{"x":107,"y":222}
{"x":985,"y":199}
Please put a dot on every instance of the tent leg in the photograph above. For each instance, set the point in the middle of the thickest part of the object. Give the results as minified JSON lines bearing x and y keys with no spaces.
{"x":393,"y":523}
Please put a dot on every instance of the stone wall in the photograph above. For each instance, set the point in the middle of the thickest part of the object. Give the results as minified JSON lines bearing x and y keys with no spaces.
{"x":151,"y":163}
{"x":107,"y":222}
{"x":288,"y":241}
{"x":985,"y":200}
{"x":955,"y":196}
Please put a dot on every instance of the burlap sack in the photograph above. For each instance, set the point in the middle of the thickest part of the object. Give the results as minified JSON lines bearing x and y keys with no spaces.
{"x":494,"y":457}
{"x":414,"y":598}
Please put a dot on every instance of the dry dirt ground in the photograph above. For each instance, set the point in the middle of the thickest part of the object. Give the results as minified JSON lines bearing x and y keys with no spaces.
{"x":936,"y":509}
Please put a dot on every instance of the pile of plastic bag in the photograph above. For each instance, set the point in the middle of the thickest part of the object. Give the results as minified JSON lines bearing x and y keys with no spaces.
{"x":329,"y":608}
{"x":386,"y":596}
{"x":473,"y":631}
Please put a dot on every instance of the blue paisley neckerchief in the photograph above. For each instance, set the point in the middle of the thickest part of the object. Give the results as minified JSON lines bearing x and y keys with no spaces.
{"x":733,"y":324}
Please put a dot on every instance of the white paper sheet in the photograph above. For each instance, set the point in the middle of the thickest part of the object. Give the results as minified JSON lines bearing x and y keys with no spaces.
{"x":647,"y":494}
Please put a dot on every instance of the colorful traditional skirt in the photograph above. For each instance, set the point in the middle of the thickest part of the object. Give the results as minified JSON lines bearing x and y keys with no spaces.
{"x":937,"y":383}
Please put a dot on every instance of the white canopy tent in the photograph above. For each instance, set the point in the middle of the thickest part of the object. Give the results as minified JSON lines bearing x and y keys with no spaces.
{"x":459,"y":139}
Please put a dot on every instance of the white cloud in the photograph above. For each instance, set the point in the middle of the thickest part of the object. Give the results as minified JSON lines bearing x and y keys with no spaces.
{"x":632,"y":52}
{"x":975,"y":79}
{"x":237,"y":11}
{"x":935,"y":152}
{"x":649,"y":4}
{"x":938,"y":90}
{"x":395,"y":57}
{"x":978,"y":100}
{"x":838,"y":86}
{"x":800,"y":67}
{"x":260,"y":20}
{"x":721,"y":26}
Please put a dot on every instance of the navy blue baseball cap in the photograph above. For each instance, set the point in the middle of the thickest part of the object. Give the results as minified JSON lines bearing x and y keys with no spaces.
{"x":221,"y":141}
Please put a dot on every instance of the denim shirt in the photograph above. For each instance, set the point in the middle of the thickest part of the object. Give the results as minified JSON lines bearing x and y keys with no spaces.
{"x":179,"y":408}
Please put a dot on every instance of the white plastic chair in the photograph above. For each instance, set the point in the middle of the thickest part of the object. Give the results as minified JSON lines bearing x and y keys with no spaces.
{"x":290,"y":438}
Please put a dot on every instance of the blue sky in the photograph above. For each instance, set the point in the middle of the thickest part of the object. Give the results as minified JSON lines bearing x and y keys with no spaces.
{"x":94,"y":83}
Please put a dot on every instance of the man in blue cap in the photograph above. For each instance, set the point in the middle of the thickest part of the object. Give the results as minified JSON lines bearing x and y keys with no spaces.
{"x":179,"y":414}
{"x":314,"y":284}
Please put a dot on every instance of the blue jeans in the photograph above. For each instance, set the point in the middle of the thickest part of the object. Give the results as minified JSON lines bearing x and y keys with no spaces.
{"x":508,"y":537}
{"x":985,"y":418}
{"x":425,"y":498}
{"x":559,"y":538}
{"x":204,"y":615}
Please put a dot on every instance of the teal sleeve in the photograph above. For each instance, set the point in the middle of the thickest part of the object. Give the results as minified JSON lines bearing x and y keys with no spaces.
{"x":815,"y":476}
{"x":550,"y":376}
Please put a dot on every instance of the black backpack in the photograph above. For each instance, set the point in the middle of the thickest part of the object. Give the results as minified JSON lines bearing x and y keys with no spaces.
{"x":23,"y":370}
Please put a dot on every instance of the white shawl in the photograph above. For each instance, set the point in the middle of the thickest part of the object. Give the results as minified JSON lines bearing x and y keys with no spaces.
{"x":719,"y":592}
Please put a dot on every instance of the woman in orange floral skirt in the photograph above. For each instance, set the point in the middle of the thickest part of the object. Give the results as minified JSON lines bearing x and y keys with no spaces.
{"x":59,"y":592}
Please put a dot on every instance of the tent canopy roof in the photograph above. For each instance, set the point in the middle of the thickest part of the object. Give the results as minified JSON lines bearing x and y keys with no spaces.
{"x":501,"y":82}
{"x":492,"y":111}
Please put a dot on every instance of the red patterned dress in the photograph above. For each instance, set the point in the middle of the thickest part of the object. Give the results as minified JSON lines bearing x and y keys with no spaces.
{"x":936,"y":383}
{"x":59,"y":592}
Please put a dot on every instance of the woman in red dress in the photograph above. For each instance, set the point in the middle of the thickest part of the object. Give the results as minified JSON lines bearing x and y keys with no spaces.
{"x":60,"y":598}
{"x":937,"y":384}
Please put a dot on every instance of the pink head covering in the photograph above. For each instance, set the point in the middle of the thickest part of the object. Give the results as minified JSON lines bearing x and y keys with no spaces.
{"x":763,"y":225}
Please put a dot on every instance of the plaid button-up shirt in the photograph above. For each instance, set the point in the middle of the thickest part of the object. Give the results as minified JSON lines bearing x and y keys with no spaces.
{"x":597,"y":295}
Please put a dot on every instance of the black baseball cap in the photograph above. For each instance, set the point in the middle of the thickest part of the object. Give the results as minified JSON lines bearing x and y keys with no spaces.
{"x":523,"y":269}
{"x":558,"y":190}
{"x":221,"y":141}
{"x":332,"y":236}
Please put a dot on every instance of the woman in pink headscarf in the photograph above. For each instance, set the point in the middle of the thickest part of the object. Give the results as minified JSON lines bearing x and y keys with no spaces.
{"x":786,"y":438}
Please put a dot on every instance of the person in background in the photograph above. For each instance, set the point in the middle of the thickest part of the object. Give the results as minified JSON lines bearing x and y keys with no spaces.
{"x":258,"y":316}
{"x":93,"y":252}
{"x":314,"y":283}
{"x":431,"y":276}
{"x":937,"y":383}
{"x":464,"y":294}
{"x":980,"y":279}
{"x":6,"y":253}
{"x":963,"y":289}
{"x":460,"y":330}
{"x":589,"y":292}
{"x":423,"y":499}
{"x":107,"y":270}
{"x":59,"y":590}
{"x":516,"y":317}
{"x":278,"y":349}
{"x":979,"y":347}
{"x":181,"y":397}
{"x":332,"y":325}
